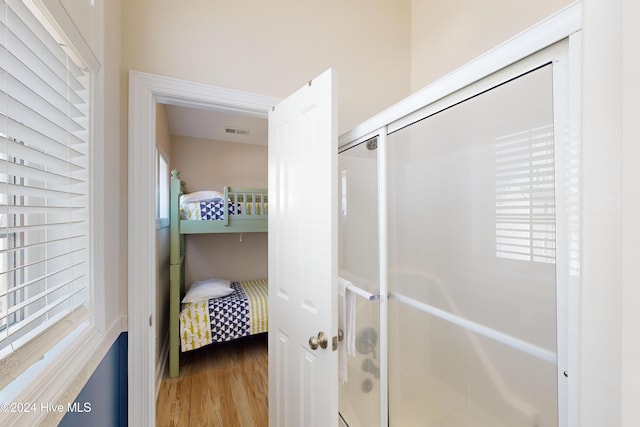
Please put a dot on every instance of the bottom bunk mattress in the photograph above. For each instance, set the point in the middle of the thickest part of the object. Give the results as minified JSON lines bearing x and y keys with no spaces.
{"x":241,"y":313}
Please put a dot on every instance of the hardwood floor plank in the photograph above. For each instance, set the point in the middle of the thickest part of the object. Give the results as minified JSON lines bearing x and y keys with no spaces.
{"x":221,"y":385}
{"x":255,"y":380}
{"x":174,"y":398}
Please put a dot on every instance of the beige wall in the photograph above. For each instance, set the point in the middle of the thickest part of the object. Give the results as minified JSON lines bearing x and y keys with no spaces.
{"x":163,"y":134}
{"x":210,"y":165}
{"x":447,"y":34}
{"x":274,"y":47}
{"x":227,"y":256}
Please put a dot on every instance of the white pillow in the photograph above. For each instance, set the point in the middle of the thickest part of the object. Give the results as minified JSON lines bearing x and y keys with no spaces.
{"x":207,"y":289}
{"x":214,"y":281}
{"x":200,"y":196}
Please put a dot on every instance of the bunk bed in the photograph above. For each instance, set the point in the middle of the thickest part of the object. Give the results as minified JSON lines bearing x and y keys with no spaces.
{"x":234,"y":210}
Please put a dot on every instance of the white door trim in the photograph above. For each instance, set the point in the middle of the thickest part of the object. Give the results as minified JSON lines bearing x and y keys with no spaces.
{"x":145,"y":90}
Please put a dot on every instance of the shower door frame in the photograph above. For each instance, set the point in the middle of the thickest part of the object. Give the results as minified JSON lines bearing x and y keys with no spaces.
{"x":556,"y":40}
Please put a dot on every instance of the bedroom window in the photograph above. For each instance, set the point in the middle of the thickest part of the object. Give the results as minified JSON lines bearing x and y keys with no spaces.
{"x":162,"y":190}
{"x":44,"y":187}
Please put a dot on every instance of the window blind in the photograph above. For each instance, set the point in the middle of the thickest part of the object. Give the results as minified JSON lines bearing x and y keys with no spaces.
{"x":44,"y":187}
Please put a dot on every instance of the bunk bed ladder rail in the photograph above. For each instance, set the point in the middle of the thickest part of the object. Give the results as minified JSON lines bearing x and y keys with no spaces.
{"x":254,"y":203}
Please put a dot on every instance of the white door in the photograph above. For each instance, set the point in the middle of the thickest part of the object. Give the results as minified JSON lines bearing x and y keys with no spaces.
{"x":303,"y":144}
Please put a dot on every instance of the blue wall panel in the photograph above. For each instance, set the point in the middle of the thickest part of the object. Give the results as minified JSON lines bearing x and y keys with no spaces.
{"x":103,"y":400}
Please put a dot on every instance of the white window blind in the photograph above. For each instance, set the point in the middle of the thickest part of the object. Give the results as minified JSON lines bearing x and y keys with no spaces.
{"x":44,"y":184}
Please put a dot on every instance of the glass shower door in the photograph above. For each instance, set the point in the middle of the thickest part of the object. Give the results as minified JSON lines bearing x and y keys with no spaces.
{"x":359,"y":400}
{"x":471,"y":231}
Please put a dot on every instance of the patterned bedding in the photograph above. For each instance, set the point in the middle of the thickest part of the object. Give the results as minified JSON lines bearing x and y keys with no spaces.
{"x":244,"y":312}
{"x":214,"y":209}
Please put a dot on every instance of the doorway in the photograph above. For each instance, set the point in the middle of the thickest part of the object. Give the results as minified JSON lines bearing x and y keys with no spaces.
{"x":210,"y":150}
{"x":145,"y":91}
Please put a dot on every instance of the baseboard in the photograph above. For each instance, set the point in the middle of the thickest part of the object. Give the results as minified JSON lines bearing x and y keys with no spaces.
{"x":161,"y":366}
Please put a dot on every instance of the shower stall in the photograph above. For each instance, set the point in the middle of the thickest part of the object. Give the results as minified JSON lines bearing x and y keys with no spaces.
{"x":459,"y":239}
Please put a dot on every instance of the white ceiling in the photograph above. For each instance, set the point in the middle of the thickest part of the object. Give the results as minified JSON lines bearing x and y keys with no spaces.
{"x":207,"y":124}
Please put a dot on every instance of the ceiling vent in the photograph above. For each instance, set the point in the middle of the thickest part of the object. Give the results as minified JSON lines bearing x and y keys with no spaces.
{"x":236,"y":131}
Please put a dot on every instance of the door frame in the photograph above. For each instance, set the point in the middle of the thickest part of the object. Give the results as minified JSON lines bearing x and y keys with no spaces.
{"x":145,"y":91}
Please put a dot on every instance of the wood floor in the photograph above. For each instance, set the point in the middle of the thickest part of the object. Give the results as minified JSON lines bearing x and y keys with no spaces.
{"x":222,"y":385}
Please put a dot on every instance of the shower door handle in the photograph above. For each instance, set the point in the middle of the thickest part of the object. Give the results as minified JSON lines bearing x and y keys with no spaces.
{"x":320,"y":341}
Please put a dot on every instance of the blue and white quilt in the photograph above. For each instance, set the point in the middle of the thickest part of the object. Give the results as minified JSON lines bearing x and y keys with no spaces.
{"x":243,"y":312}
{"x":209,"y":210}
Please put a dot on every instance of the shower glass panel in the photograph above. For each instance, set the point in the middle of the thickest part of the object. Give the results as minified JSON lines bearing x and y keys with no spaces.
{"x":359,"y":400}
{"x":472,"y":275}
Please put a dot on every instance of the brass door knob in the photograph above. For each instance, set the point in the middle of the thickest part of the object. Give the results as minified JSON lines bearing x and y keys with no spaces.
{"x":320,"y":341}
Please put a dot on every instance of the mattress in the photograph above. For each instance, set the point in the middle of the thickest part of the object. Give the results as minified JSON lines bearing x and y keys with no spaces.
{"x":241,"y":313}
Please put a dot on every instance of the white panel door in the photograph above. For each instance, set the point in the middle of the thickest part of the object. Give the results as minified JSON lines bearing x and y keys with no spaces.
{"x":303,"y":144}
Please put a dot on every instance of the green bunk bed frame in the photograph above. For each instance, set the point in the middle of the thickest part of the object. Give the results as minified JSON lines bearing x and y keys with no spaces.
{"x":248,"y":222}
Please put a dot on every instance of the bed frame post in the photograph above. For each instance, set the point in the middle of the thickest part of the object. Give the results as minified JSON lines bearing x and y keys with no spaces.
{"x":177,"y":275}
{"x":226,"y":205}
{"x":174,"y":213}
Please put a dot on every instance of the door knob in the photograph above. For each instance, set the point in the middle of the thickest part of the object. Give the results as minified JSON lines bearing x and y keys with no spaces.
{"x":320,"y":341}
